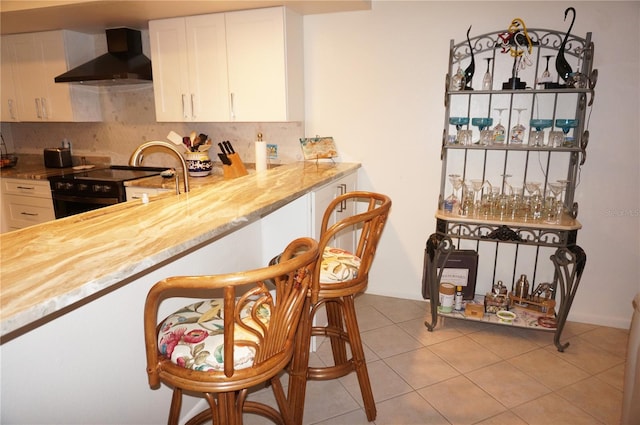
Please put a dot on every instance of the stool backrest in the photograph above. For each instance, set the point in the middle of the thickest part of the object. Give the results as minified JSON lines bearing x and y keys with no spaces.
{"x":371,"y":213}
{"x":271,"y":339}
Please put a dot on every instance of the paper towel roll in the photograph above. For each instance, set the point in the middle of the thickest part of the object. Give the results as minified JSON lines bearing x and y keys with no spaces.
{"x":261,"y":156}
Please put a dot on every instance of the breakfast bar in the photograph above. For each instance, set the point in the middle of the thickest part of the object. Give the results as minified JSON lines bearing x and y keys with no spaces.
{"x":73,"y":289}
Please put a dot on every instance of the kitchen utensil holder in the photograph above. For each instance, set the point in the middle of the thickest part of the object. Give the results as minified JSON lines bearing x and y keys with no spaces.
{"x":236,"y":169}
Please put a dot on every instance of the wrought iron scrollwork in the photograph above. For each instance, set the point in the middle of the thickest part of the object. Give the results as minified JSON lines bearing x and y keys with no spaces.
{"x":503,"y":233}
{"x":437,"y":251}
{"x":569,"y":263}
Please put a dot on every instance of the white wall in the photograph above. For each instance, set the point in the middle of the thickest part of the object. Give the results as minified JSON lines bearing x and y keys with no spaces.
{"x":374,"y":80}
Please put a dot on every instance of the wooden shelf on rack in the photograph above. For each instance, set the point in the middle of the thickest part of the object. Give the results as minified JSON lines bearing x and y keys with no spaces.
{"x":525,"y":318}
{"x":567,"y":223}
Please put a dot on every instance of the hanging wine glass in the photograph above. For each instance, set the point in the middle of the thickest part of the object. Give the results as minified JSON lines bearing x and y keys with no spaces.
{"x":499,"y":131}
{"x":458,"y":79}
{"x":487,"y":79}
{"x":516,"y":136}
{"x":579,"y":80}
{"x":546,"y":75}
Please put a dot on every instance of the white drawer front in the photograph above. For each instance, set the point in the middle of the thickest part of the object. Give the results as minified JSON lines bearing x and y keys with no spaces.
{"x":39,"y":188}
{"x":23,"y":211}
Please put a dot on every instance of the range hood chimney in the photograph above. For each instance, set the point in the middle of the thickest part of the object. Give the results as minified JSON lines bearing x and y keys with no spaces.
{"x":124,"y":64}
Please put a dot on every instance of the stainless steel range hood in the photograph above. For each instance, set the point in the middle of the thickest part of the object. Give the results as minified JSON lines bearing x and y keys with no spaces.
{"x":124,"y":64}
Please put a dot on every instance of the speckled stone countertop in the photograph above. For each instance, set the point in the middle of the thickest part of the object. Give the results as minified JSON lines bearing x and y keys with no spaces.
{"x":49,"y":267}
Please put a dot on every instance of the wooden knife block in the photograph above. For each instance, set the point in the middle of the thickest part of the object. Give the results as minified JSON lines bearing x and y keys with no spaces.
{"x":236,"y":169}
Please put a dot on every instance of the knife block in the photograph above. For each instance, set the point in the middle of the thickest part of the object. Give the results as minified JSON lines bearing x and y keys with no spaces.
{"x":236,"y":169}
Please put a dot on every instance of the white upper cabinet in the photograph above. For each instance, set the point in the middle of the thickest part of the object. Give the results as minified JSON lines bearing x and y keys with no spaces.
{"x":33,"y":60}
{"x":237,"y":66}
{"x":8,"y":95}
{"x":188,"y":58}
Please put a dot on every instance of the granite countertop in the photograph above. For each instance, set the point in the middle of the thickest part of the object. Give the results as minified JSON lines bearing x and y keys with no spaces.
{"x":50,"y":266}
{"x":31,"y":166}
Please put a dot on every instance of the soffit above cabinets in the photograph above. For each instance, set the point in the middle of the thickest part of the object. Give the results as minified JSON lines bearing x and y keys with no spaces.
{"x":93,"y":16}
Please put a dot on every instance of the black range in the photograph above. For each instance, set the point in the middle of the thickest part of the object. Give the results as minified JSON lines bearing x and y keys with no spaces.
{"x":87,"y":190}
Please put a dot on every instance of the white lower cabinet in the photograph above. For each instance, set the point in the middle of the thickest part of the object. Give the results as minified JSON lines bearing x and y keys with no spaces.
{"x":25,"y":203}
{"x":321,"y":199}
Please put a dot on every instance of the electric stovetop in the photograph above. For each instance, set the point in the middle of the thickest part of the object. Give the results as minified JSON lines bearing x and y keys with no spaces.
{"x":115,"y":173}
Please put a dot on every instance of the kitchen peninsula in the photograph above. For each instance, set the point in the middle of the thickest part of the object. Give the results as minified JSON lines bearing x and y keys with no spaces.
{"x":73,"y":289}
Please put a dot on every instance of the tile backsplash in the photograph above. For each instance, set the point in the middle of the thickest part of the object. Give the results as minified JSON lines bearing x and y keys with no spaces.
{"x":129,"y":120}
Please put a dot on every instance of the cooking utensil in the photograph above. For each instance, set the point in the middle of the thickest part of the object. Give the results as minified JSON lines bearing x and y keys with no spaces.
{"x":176,"y":139}
{"x":193,"y":137}
{"x":187,"y":142}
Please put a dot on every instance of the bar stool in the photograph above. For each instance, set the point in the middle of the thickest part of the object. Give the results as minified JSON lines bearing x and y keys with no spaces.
{"x":222,"y":347}
{"x":339,"y":276}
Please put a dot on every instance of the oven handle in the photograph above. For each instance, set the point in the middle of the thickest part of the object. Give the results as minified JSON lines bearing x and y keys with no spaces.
{"x":84,"y":200}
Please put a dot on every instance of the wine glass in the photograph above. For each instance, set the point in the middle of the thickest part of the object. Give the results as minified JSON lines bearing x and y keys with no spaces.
{"x":536,"y":138}
{"x":458,"y":79}
{"x":499,"y":132}
{"x":533,"y":188}
{"x":486,"y":136}
{"x":458,"y":122}
{"x":546,"y":75}
{"x":452,"y":202}
{"x":556,"y":189}
{"x":506,"y":184}
{"x":477,"y":186}
{"x":535,"y":198}
{"x":566,"y":125}
{"x":577,"y":79}
{"x":516,"y":136}
{"x":487,"y":80}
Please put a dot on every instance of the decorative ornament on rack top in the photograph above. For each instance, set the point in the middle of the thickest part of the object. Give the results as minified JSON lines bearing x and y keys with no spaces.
{"x":517,"y":42}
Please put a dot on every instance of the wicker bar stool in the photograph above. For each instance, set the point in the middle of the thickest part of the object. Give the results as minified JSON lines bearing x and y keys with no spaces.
{"x":222,"y":347}
{"x":340,"y":276}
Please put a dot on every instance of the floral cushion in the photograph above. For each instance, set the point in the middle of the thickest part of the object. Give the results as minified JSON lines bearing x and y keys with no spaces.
{"x":193,"y":337}
{"x":338,"y":265}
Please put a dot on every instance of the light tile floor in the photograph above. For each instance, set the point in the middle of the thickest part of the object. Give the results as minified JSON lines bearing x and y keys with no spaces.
{"x":469,"y":373}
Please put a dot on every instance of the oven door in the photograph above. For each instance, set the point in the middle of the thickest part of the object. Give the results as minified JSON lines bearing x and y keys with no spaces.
{"x":66,"y":205}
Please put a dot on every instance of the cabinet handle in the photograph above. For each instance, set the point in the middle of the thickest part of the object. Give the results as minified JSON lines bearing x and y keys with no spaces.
{"x":38,"y":113}
{"x":184,"y":109}
{"x":193,"y":108}
{"x":43,"y":103}
{"x":26,"y":187}
{"x":29,"y":214}
{"x":343,"y":204}
{"x":233,"y":108}
{"x":12,"y":111}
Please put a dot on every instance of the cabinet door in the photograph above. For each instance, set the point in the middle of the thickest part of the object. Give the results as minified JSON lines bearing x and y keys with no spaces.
{"x":190,"y":68}
{"x":30,"y":78}
{"x":207,"y":50}
{"x":170,"y":66}
{"x":39,"y":58}
{"x":9,"y":106}
{"x":321,"y":199}
{"x":256,"y":63}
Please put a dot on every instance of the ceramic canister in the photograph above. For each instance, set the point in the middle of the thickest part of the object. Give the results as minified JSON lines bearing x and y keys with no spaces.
{"x":198,"y":163}
{"x":446,"y":295}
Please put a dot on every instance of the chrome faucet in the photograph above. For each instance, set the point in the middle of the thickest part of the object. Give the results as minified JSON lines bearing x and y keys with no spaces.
{"x":136,"y":158}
